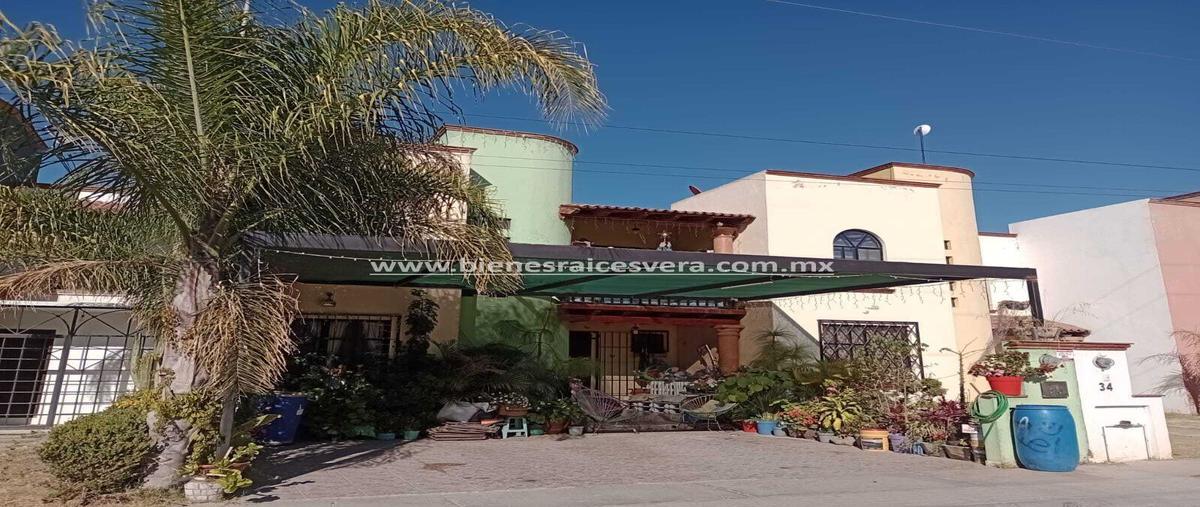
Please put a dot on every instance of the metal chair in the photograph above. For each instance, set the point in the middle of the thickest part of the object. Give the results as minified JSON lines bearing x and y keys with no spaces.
{"x":603,"y":408}
{"x":694,"y":407}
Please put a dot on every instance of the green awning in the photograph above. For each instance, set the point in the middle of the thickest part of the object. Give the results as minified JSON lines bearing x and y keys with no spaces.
{"x":368,"y":261}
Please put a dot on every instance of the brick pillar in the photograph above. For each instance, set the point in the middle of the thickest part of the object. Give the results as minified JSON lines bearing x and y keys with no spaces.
{"x":728,"y":355}
{"x":723,"y":239}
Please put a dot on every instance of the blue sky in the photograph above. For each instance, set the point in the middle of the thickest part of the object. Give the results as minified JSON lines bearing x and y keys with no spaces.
{"x":762,"y":69}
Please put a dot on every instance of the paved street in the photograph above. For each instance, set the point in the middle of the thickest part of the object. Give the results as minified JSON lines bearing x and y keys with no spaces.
{"x":705,"y":468}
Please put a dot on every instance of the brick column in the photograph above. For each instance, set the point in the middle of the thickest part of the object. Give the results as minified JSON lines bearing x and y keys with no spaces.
{"x":728,"y":355}
{"x":723,"y":239}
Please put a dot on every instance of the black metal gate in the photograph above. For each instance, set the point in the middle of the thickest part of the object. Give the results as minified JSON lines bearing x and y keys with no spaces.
{"x":619,"y":354}
{"x":847,"y":339}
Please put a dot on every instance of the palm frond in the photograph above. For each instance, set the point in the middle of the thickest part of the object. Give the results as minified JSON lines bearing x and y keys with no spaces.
{"x":242,"y":337}
{"x":108,"y":277}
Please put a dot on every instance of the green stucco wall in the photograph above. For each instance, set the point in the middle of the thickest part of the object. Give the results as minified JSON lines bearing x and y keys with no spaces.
{"x":998,"y":437}
{"x":530,"y":178}
{"x":514,"y":320}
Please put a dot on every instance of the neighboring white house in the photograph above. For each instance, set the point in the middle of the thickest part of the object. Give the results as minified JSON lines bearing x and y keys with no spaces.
{"x":1128,"y":272}
{"x":894,"y":212}
{"x":65,"y":356}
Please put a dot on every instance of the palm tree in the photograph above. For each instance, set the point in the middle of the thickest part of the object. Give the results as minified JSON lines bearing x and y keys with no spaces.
{"x":201,"y":126}
{"x":1182,"y":367}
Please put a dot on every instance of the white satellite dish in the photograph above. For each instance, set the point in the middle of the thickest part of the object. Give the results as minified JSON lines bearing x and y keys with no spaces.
{"x":922,"y":130}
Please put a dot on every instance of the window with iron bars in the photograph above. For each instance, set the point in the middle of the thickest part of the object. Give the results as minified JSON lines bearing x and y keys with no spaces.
{"x":347,"y":338}
{"x":848,"y":339}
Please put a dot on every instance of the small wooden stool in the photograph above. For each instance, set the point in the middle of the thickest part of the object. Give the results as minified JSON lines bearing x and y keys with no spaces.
{"x":515,"y":427}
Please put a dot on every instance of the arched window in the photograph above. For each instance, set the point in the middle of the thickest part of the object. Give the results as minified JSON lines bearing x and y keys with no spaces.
{"x":856,"y":244}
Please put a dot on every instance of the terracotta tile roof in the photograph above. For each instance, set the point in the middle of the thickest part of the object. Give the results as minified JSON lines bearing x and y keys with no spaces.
{"x":1012,"y":327}
{"x":635,"y":213}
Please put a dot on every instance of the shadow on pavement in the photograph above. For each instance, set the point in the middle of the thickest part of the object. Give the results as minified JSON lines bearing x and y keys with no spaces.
{"x":279,"y":468}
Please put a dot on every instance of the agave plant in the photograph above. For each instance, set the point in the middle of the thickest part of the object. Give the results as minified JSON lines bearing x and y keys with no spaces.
{"x":195,"y":128}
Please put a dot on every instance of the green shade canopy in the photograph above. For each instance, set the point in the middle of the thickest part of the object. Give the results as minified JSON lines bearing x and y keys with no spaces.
{"x":592,"y":270}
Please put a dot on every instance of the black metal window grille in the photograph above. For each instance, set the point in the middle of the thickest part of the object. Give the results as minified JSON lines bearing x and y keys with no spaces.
{"x":848,"y":339}
{"x":857,"y":244}
{"x":343,"y":337}
{"x":23,"y":362}
{"x":58,"y":363}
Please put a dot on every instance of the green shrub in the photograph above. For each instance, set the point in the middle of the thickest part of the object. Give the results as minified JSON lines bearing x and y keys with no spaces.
{"x":104,"y":452}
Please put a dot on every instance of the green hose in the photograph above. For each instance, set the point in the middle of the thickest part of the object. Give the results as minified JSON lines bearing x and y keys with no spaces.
{"x":981,"y":418}
{"x":1001,"y":407}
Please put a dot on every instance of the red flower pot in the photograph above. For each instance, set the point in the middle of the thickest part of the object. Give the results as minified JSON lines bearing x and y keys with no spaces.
{"x":1007,"y":385}
{"x":750,"y":426}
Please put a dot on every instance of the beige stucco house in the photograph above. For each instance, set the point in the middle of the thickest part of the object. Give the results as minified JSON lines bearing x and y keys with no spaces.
{"x":896,"y":212}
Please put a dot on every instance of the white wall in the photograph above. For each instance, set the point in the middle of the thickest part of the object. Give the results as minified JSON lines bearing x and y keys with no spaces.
{"x":96,"y":367}
{"x":800,"y":217}
{"x":748,"y":196}
{"x":1107,"y":399}
{"x":1099,"y":269}
{"x":1003,"y":251}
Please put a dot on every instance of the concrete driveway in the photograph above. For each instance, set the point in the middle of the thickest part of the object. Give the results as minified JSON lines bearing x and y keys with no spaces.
{"x":717,"y":468}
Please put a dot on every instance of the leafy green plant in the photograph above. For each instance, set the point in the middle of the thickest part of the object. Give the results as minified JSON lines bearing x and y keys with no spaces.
{"x":230,"y":479}
{"x":562,"y":410}
{"x":741,"y":387}
{"x":421,"y":320}
{"x":104,"y":452}
{"x":800,"y":415}
{"x":768,"y":416}
{"x":1010,"y":363}
{"x":340,"y":401}
{"x":836,"y":411}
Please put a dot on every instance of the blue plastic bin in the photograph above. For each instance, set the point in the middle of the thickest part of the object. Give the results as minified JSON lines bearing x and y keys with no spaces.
{"x":1045,"y":438}
{"x":282,"y":431}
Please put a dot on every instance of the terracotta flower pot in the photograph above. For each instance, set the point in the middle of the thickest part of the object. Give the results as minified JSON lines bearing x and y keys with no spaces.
{"x":555,"y":427}
{"x":750,"y":426}
{"x":513,"y":411}
{"x":1007,"y":385}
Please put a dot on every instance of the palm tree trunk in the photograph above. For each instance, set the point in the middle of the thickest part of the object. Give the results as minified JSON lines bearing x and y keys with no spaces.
{"x":193,"y":289}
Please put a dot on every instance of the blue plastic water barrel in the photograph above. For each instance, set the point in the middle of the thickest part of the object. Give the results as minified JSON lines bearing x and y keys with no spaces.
{"x":1045,"y":438}
{"x":290,"y":408}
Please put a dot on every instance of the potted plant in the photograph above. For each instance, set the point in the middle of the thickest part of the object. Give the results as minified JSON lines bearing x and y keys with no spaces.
{"x":212,"y":481}
{"x":556,"y":414}
{"x":512,"y":404}
{"x":409,"y":428}
{"x":800,"y":418}
{"x":766,"y":423}
{"x":1007,"y":371}
{"x":958,"y":449}
{"x":835,"y":412}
